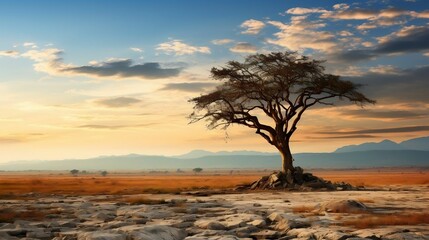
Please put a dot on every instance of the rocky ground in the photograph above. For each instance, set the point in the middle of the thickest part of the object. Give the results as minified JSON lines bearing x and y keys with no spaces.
{"x":254,"y":215}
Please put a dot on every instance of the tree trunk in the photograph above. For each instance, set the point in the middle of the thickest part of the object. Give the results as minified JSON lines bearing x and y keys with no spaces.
{"x":287,"y":160}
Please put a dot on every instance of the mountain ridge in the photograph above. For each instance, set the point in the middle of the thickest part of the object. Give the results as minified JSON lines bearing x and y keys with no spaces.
{"x":344,"y":157}
{"x":421,"y":143}
{"x":359,"y":159}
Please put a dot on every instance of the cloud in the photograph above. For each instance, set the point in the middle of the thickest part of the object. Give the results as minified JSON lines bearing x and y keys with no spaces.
{"x":117,"y":102}
{"x":222,"y":41}
{"x":344,"y":136}
{"x":367,"y":44}
{"x":19,"y":138}
{"x":407,"y":40}
{"x":366,"y":26}
{"x":303,"y":11}
{"x":400,"y":86}
{"x":385,"y":114}
{"x":370,"y":14}
{"x":301,"y":33}
{"x":44,"y":55}
{"x":403,"y":32}
{"x":380,"y":130}
{"x":46,"y":60}
{"x":243,"y":47}
{"x":9,"y":53}
{"x":355,"y":55}
{"x":135,"y":49}
{"x":179,"y":48}
{"x":424,"y":14}
{"x":349,"y":71}
{"x":30,"y":45}
{"x":354,"y":14}
{"x":341,"y":6}
{"x":6,"y":140}
{"x":49,"y":61}
{"x":345,"y":34}
{"x":188,"y":86}
{"x":252,"y":26}
{"x":112,"y":127}
{"x":124,"y":68}
{"x":375,"y":18}
{"x":385,"y":69}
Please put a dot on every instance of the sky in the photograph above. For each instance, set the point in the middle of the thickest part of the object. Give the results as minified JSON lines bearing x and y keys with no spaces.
{"x":82,"y":79}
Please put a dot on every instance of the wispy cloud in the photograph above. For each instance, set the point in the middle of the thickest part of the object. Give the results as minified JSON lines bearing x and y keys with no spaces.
{"x":243,"y":47}
{"x":385,"y":69}
{"x":178,"y":47}
{"x":407,"y":40}
{"x":252,"y":26}
{"x":341,"y":6}
{"x":354,"y":14}
{"x":47,"y":60}
{"x":135,"y":49}
{"x":188,"y":86}
{"x":30,"y":45}
{"x":50,"y":61}
{"x":303,"y":11}
{"x":343,"y":136}
{"x":371,"y":14}
{"x":6,"y":140}
{"x":9,"y":53}
{"x":400,"y":86}
{"x":375,"y":18}
{"x":379,"y":130}
{"x":222,"y":41}
{"x":20,"y":138}
{"x":124,"y":68}
{"x":302,"y":33}
{"x":113,"y":127}
{"x":117,"y":102}
{"x":383,"y":114}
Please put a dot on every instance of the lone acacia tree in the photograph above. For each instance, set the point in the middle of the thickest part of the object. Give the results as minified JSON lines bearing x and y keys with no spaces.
{"x":280,"y":86}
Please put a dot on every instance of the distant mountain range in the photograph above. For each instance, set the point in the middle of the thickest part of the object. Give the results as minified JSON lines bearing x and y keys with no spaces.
{"x":411,"y":144}
{"x":204,"y":153}
{"x":410,"y":153}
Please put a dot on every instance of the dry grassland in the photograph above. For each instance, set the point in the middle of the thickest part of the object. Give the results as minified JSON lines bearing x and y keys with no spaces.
{"x":371,"y":221}
{"x":13,"y":184}
{"x":377,"y":178}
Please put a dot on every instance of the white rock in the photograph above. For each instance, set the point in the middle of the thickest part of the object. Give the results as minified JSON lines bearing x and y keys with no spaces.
{"x":238,"y":220}
{"x":258,"y":223}
{"x":209,"y":224}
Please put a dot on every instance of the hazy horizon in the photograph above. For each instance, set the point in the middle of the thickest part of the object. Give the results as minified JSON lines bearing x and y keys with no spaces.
{"x":84,"y":79}
{"x":414,"y":144}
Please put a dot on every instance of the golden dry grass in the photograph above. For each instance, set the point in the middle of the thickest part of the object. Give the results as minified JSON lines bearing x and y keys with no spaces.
{"x":377,"y":178}
{"x":12,"y":184}
{"x":302,"y":209}
{"x":371,"y":221}
{"x":366,"y":200}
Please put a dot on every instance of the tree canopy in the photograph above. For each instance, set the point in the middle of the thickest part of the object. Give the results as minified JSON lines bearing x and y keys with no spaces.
{"x":278,"y":85}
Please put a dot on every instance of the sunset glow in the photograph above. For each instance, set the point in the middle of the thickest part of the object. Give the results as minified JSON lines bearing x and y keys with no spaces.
{"x":88,"y":78}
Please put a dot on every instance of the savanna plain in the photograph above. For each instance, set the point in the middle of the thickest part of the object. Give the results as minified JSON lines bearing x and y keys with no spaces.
{"x":389,"y":203}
